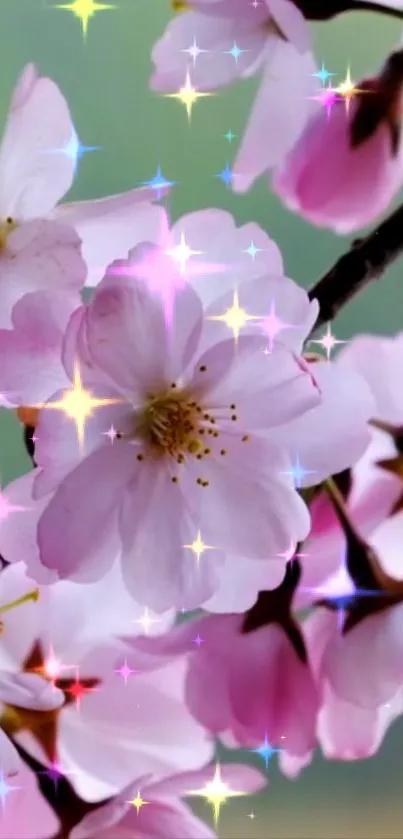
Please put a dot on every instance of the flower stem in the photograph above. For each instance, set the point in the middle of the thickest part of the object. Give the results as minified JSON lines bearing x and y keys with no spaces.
{"x":367,"y":260}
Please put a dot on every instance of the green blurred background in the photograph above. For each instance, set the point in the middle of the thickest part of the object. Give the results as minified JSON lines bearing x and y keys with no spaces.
{"x":105,"y":81}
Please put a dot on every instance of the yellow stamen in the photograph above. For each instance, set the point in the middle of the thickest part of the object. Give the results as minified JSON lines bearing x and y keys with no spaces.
{"x":33,"y":595}
{"x":181,"y":6}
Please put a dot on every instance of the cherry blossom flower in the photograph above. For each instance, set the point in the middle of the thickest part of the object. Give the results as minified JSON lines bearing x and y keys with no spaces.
{"x":37,"y":168}
{"x":163,"y":815}
{"x":106,"y":730}
{"x":194,"y":481}
{"x":367,"y":163}
{"x":272,"y":38}
{"x":260,"y":679}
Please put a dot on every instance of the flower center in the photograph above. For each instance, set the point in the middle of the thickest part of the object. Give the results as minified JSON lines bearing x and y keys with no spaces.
{"x":180,"y":6}
{"x":170,"y":424}
{"x":6,"y":227}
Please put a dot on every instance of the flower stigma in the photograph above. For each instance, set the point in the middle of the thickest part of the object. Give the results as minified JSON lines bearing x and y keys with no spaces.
{"x":174,"y":424}
{"x":6,"y":227}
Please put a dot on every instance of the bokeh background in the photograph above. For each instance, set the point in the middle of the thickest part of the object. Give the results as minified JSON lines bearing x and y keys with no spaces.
{"x":105,"y":81}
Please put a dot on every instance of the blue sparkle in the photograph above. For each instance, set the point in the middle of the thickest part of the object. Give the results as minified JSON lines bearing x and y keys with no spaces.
{"x":235,"y":51}
{"x":265,"y":751}
{"x":5,"y":789}
{"x":159,"y":183}
{"x":252,"y":250}
{"x":298,"y":473}
{"x":74,"y":150}
{"x":226,"y":176}
{"x":230,"y":136}
{"x":323,"y":75}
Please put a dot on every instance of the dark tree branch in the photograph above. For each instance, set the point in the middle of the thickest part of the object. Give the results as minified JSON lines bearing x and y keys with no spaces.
{"x":367,"y":260}
{"x":327,"y":9}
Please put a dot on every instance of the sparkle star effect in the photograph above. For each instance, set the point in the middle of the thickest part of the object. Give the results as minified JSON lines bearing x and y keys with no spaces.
{"x":252,"y":250}
{"x":188,"y":95}
{"x":84,"y":10}
{"x":235,"y":317}
{"x":272,"y":325}
{"x":229,"y":136}
{"x":235,"y":51}
{"x":159,"y":183}
{"x":125,"y":671}
{"x":138,"y":802}
{"x":181,"y":253}
{"x":266,"y":752}
{"x":328,"y":341}
{"x":5,"y":789}
{"x":226,"y":176}
{"x":75,"y":150}
{"x":55,"y":772}
{"x":6,"y":508}
{"x":198,"y":641}
{"x":298,"y":473}
{"x":339,"y":589}
{"x":216,"y":792}
{"x":194,"y":51}
{"x":198,"y":547}
{"x":78,"y":404}
{"x":77,"y":690}
{"x":146,"y":621}
{"x":323,"y":75}
{"x":347,"y":90}
{"x":290,"y":553}
{"x":327,"y":97}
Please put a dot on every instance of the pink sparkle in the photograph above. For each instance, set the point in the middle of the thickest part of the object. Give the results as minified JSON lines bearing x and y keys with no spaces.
{"x":272,"y":325}
{"x":166,"y":266}
{"x":327,"y":97}
{"x":78,"y":690}
{"x":125,"y":671}
{"x":328,"y":341}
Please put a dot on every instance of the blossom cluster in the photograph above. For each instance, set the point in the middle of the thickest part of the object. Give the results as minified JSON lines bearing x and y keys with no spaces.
{"x":207,"y":546}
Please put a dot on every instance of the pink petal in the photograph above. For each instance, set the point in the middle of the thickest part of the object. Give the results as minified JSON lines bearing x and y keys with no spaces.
{"x":84,"y":510}
{"x":279,"y":112}
{"x":129,"y":339}
{"x":41,"y":255}
{"x":240,"y":580}
{"x":378,"y":359}
{"x":35,"y":169}
{"x":215,"y":68}
{"x":31,"y":369}
{"x":110,"y":227}
{"x":27,"y":815}
{"x":333,"y":435}
{"x":167,"y":577}
{"x":267,"y":389}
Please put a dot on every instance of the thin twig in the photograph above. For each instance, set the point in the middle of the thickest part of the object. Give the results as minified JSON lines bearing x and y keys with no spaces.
{"x":367,"y":260}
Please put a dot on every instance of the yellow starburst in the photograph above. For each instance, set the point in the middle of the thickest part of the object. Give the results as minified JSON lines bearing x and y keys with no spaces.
{"x":181,"y":253}
{"x":235,"y":317}
{"x":348,"y":90}
{"x":198,"y":547}
{"x":188,"y":95}
{"x":78,"y":404}
{"x":146,"y":621}
{"x":138,"y":802}
{"x":216,"y":792}
{"x":84,"y":10}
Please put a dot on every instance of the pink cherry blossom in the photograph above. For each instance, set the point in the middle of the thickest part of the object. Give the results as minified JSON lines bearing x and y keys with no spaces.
{"x":37,"y":168}
{"x":273,"y":38}
{"x":365,"y":173}
{"x":263,"y":687}
{"x":163,"y":816}
{"x":26,"y":814}
{"x":129,"y":342}
{"x":108,"y":731}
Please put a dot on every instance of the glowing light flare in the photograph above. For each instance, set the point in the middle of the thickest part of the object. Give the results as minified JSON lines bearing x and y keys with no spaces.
{"x":347,"y":90}
{"x":328,"y":341}
{"x":147,"y":621}
{"x":182,"y":253}
{"x":198,"y":547}
{"x":235,"y":317}
{"x":188,"y":95}
{"x":138,"y":802}
{"x":84,"y":10}
{"x":216,"y":792}
{"x":78,"y":404}
{"x":272,"y":325}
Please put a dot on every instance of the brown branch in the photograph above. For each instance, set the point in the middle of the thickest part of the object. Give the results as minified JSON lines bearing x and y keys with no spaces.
{"x":367,"y":260}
